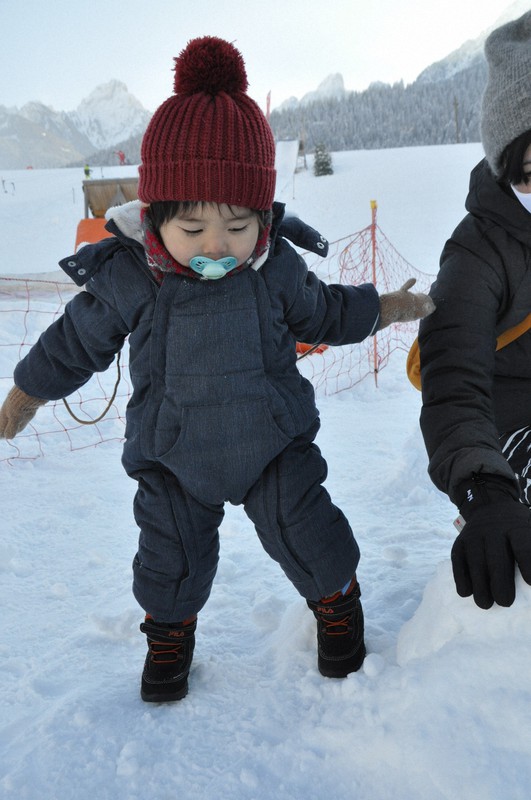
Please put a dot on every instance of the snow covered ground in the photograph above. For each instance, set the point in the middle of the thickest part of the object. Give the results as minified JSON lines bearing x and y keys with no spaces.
{"x":442,"y":707}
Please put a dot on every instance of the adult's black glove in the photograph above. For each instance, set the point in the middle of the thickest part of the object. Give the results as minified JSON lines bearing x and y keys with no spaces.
{"x":496,"y":535}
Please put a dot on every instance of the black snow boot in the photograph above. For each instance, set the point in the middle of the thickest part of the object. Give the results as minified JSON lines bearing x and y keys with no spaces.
{"x":340,"y":644}
{"x":169,"y":658}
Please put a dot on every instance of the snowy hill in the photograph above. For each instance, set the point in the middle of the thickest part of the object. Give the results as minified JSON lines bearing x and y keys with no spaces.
{"x":465,"y":57}
{"x":51,"y":123}
{"x":331,"y":88}
{"x":38,"y":136}
{"x":471,"y":51}
{"x":110,"y":115}
{"x":441,"y":709}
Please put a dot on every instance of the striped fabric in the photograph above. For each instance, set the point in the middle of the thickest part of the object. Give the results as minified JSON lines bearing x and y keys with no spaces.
{"x":516,"y":447}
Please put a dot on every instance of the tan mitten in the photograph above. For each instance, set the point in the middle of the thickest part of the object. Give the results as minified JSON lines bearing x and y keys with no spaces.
{"x":404,"y":306}
{"x":17,"y":410}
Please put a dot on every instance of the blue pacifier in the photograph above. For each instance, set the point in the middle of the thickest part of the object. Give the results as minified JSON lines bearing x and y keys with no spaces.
{"x":210,"y":269}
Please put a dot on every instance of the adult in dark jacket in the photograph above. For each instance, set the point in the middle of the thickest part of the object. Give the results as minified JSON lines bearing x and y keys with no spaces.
{"x":201,"y":278}
{"x":476,"y":414}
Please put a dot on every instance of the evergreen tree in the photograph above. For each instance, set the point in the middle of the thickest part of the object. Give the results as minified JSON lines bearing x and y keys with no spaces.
{"x":322,"y":163}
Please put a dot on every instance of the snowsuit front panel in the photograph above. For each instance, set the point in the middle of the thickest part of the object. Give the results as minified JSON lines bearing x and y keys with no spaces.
{"x":215,"y":417}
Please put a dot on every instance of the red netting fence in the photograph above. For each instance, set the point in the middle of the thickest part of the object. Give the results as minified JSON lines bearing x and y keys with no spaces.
{"x":28,"y":306}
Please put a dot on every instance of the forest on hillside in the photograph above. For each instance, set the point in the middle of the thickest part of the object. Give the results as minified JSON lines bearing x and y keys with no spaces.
{"x":383,"y":116}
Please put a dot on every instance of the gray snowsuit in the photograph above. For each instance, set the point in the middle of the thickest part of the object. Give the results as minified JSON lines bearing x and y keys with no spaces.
{"x":219,"y":410}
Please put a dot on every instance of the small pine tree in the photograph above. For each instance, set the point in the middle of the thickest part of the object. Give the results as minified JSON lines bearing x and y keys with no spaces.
{"x":322,"y":163}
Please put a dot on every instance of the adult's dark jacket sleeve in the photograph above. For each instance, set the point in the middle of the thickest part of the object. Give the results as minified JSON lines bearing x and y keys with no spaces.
{"x":471,"y":393}
{"x":457,"y":345}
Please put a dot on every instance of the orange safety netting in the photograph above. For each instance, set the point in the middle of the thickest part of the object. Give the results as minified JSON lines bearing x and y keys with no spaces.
{"x":364,"y":257}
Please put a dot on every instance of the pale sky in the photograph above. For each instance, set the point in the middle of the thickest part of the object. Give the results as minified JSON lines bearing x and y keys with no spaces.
{"x":58,"y":52}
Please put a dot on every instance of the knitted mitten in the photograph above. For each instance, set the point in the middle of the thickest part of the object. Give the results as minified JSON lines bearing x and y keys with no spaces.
{"x":403,"y":306}
{"x":18,"y":409}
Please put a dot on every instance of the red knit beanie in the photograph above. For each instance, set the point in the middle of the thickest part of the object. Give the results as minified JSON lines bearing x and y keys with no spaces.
{"x":209,"y":141}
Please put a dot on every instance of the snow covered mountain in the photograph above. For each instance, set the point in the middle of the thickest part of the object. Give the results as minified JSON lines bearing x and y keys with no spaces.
{"x":470,"y":51}
{"x":332,"y":87}
{"x":110,"y":115}
{"x":38,"y":136}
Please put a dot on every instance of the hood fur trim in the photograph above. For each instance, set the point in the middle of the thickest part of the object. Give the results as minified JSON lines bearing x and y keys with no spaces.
{"x":127,"y":218}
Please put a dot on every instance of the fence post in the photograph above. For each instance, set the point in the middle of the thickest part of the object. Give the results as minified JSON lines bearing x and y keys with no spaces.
{"x":374,"y":206}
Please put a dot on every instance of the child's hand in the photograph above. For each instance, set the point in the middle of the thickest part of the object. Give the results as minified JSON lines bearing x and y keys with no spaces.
{"x":403,"y":306}
{"x":18,"y":409}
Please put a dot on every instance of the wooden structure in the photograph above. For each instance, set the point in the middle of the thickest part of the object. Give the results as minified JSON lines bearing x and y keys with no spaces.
{"x":101,"y":195}
{"x":108,"y":192}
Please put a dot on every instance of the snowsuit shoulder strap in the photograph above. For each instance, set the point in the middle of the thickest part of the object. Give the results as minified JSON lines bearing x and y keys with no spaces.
{"x":81,"y":266}
{"x":302,"y":235}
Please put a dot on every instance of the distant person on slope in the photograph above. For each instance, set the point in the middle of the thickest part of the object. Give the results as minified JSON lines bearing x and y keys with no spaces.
{"x":202,"y":279}
{"x":476,"y":414}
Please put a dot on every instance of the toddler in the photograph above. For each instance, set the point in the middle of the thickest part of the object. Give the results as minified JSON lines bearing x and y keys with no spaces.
{"x":201,"y":278}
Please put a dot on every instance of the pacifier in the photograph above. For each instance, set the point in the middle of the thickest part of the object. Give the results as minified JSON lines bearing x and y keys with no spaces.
{"x":210,"y":269}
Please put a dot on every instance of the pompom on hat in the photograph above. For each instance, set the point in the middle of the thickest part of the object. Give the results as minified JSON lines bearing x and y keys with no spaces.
{"x":506,"y":108}
{"x":209,"y":141}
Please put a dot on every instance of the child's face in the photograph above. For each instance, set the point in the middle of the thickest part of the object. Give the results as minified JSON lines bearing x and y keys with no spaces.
{"x":212,"y":231}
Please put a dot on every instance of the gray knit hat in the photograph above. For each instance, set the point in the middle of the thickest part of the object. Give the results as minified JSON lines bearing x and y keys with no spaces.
{"x":506,"y":112}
